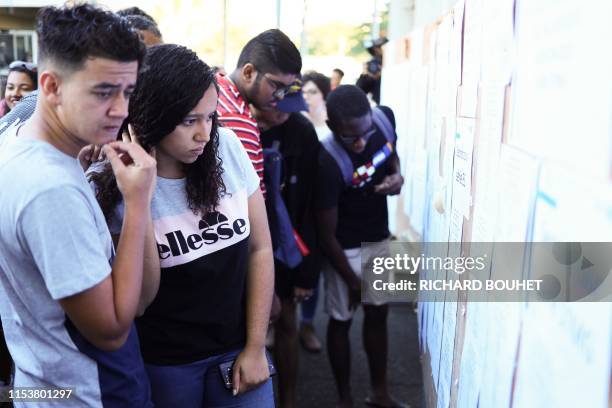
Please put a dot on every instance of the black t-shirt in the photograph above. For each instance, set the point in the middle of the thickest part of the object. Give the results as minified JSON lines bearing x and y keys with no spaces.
{"x":200,"y":308}
{"x":362,"y":213}
{"x":299,"y":146}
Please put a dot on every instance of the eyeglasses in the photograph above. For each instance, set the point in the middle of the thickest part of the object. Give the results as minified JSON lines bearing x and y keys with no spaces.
{"x":352,"y":139}
{"x":280,"y":89}
{"x":22,"y":64}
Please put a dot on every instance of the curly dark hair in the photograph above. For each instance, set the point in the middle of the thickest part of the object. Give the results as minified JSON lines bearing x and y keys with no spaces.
{"x":171,"y":84}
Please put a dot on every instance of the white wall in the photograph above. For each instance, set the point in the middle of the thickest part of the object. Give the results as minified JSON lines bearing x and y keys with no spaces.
{"x":511,"y":141}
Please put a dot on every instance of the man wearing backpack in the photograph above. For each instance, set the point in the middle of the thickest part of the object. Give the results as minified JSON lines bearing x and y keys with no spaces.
{"x":358,"y":168}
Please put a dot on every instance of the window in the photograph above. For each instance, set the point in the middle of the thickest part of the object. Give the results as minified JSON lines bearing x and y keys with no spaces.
{"x":15,"y":45}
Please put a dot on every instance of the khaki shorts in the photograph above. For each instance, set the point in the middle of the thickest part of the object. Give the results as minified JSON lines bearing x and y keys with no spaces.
{"x":336,"y":289}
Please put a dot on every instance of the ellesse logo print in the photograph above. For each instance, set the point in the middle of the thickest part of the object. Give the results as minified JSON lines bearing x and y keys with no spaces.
{"x":186,"y":237}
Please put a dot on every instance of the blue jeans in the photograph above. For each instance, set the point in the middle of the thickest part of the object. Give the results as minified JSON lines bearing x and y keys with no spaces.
{"x":309,"y":306}
{"x":199,"y":384}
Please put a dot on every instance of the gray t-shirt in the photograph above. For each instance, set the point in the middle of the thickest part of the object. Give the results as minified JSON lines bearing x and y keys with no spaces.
{"x":55,"y":243}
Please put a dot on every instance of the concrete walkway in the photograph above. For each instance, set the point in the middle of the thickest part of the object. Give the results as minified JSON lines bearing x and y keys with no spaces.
{"x":316,"y":388}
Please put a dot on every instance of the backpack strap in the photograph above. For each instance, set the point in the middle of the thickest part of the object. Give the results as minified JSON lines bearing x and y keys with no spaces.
{"x":286,"y":249}
{"x":350,"y":175}
{"x":384,"y":124}
{"x":340,"y":156}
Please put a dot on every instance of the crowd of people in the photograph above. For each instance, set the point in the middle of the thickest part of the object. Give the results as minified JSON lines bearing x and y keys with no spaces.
{"x":158,"y":214}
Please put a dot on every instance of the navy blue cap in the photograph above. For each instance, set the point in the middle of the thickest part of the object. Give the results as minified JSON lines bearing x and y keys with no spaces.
{"x":292,"y":102}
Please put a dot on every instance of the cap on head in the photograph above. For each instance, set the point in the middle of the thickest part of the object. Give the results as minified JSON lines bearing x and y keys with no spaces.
{"x":370,"y":45}
{"x":294,"y":100}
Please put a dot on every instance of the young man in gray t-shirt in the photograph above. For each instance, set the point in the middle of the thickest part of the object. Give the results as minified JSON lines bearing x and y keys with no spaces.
{"x":67,"y":301}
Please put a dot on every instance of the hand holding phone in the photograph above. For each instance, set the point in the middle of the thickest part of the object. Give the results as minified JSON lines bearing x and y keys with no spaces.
{"x":227,"y":373}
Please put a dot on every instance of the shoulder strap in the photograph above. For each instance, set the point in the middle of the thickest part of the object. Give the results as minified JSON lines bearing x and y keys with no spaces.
{"x":340,"y":156}
{"x":384,"y":124}
{"x":281,"y":230}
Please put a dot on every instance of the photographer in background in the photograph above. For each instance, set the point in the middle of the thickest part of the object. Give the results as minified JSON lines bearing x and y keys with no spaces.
{"x":369,"y":80}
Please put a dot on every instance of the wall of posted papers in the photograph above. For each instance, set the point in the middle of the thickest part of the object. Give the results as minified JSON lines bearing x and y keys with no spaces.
{"x":504,"y":118}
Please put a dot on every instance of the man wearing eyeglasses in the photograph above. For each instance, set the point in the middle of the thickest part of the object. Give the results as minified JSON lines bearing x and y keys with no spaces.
{"x":351,"y":209}
{"x":267,"y":68}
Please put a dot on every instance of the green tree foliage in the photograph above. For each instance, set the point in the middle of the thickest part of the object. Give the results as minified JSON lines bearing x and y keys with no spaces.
{"x":343,"y":39}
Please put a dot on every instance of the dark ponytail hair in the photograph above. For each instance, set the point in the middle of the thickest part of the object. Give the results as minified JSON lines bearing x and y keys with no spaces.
{"x":169,"y":86}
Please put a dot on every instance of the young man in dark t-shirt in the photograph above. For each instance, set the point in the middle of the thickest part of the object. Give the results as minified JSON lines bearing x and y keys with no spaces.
{"x":348,"y":215}
{"x":295,"y":138}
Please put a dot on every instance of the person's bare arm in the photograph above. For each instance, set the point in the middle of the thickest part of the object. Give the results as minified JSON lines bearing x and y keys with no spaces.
{"x":392,"y":183}
{"x":151,"y":269}
{"x":104,"y":313}
{"x":251,"y":366}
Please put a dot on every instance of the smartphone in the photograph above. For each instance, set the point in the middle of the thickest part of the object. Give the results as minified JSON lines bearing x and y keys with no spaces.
{"x":225,"y":369}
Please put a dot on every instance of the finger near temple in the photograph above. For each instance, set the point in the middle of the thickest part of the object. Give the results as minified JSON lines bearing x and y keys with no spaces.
{"x":136,"y":153}
{"x":113,"y":157}
{"x":118,"y":146}
{"x":132,"y":135}
{"x":120,"y":151}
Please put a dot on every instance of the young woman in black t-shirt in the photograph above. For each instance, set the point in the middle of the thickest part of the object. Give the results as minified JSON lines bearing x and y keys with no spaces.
{"x":212,"y":238}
